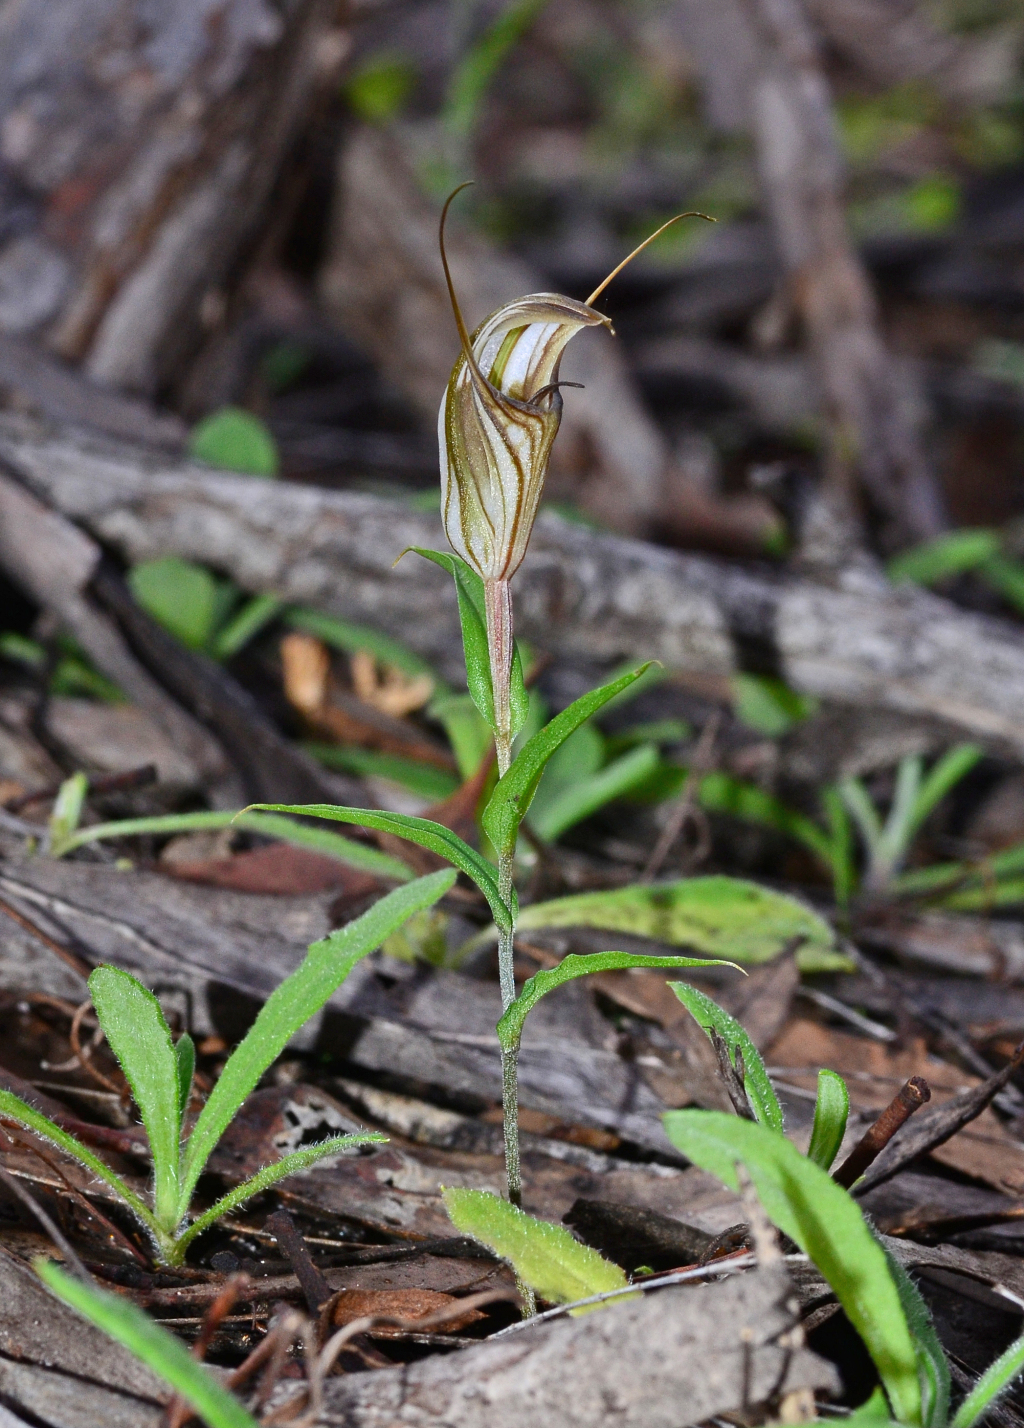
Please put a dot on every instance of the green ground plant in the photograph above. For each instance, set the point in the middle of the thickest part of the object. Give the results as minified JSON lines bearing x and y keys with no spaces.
{"x":159,"y":1073}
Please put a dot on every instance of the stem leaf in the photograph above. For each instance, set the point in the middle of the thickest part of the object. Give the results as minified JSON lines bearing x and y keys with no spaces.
{"x":709,"y":1016}
{"x":831,"y":1109}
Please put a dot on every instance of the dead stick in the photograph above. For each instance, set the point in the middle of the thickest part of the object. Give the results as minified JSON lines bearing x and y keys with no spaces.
{"x":314,"y":1285}
{"x":908,"y":1099}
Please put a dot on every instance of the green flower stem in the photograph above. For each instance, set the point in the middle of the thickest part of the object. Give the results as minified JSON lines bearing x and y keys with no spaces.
{"x":498,"y":606}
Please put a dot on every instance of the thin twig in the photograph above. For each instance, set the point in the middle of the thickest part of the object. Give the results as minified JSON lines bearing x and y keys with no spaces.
{"x":685,"y":806}
{"x":69,"y":958}
{"x":59,"y":1239}
{"x":911,"y":1096}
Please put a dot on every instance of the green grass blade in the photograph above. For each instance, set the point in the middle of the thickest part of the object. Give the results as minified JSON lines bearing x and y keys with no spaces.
{"x":425,"y":780}
{"x":950,"y":554}
{"x":721,"y":793}
{"x":574,"y":804}
{"x":270,"y":1175}
{"x":241,"y":628}
{"x":831,"y":1110}
{"x":710,"y":1017}
{"x":344,"y":635}
{"x":943,"y":776}
{"x":475,"y":72}
{"x":806,"y":1204}
{"x":326,"y":965}
{"x":544,"y":1256}
{"x":510,"y":1026}
{"x":469,"y":591}
{"x":993,"y":1382}
{"x":863,"y":812}
{"x":138,"y":1035}
{"x":319,"y":840}
{"x":423,"y":831}
{"x":898,"y":833}
{"x":157,"y":1347}
{"x":14,"y":1108}
{"x":511,"y":797}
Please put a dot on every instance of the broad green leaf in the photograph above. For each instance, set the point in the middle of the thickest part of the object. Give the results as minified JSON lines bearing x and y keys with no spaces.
{"x":577,"y":802}
{"x":996,"y":1379}
{"x":426,"y":780}
{"x":158,"y":1348}
{"x":710,"y":1017}
{"x":14,"y":1108}
{"x":326,"y":965}
{"x":768,"y":705}
{"x":469,"y":591}
{"x":185,"y":1063}
{"x":344,"y":635}
{"x":932,"y":1365}
{"x":514,"y":790}
{"x":354,"y":855}
{"x":377,"y":89}
{"x":67,"y":808}
{"x":872,"y":1414}
{"x":949,"y":554}
{"x":807,"y":1205}
{"x":247,"y":623}
{"x":268,"y":1176}
{"x":716,"y":916}
{"x":139,"y":1037}
{"x":510,"y":1026}
{"x":423,"y":831}
{"x":831,"y":1109}
{"x":235,"y":440}
{"x":180,"y":596}
{"x":544,"y":1256}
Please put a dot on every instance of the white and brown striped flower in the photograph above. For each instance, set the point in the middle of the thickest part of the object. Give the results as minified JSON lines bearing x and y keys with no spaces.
{"x":499,"y":416}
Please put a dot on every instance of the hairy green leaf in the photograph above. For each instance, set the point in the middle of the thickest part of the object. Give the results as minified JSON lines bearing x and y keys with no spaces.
{"x":13,"y":1108}
{"x":139,"y":1037}
{"x":511,"y":1024}
{"x":303,"y":835}
{"x":544,"y":1256}
{"x":806,"y":1204}
{"x":326,"y":965}
{"x":180,"y":596}
{"x":427,"y":834}
{"x":710,"y":1017}
{"x":996,"y":1379}
{"x":158,"y":1348}
{"x":831,"y":1109}
{"x":717,"y":916}
{"x":268,"y":1176}
{"x":932,"y":1365}
{"x":511,"y":797}
{"x":235,"y":440}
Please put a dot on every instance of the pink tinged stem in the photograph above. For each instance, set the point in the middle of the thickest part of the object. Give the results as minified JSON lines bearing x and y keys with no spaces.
{"x":498,"y":606}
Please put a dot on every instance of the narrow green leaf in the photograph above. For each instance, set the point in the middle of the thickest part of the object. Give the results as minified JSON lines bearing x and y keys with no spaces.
{"x":180,"y":596}
{"x":579,"y":801}
{"x":1006,"y":576}
{"x":466,"y":728}
{"x":423,"y":831}
{"x":544,"y":1256}
{"x":872,"y":1414}
{"x":996,"y":1379}
{"x":512,"y":795}
{"x":710,"y":1017}
{"x":768,"y":705}
{"x":840,"y":832}
{"x":247,"y":623}
{"x":716,"y":916}
{"x":185,"y":1062}
{"x":831,"y":1110}
{"x":481,"y":62}
{"x":949,"y":554}
{"x":352,"y":854}
{"x":932,"y":1365}
{"x":268,"y":1176}
{"x":806,"y":1204}
{"x":235,"y":440}
{"x":326,"y":965}
{"x":426,"y":780}
{"x":139,"y":1037}
{"x":158,"y":1348}
{"x":943,"y":776}
{"x":721,"y":793}
{"x":510,"y":1026}
{"x":863,"y":812}
{"x":14,"y":1108}
{"x":469,"y":591}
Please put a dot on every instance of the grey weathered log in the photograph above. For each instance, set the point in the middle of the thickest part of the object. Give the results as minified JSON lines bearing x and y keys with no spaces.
{"x":854,"y":640}
{"x":663,"y":1361}
{"x":383,"y":283}
{"x":140,"y":145}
